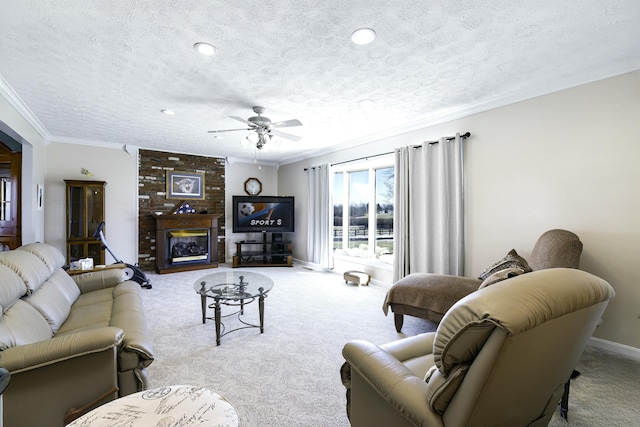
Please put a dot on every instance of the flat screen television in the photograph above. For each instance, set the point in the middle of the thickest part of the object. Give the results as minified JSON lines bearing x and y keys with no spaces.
{"x":253,"y":214}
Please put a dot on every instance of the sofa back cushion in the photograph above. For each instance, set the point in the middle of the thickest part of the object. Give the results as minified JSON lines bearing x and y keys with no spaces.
{"x":31,"y":269}
{"x":11,"y":288}
{"x":54,"y":298}
{"x":51,"y":256}
{"x":22,"y":324}
{"x":556,"y":249}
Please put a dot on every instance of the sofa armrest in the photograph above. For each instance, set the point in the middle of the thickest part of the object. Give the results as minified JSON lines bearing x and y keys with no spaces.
{"x":43,"y":353}
{"x":394,"y":382}
{"x":411,"y":347}
{"x":102,"y":279}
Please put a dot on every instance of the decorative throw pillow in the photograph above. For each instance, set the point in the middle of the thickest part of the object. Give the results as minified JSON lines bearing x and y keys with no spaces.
{"x":511,"y":260}
{"x":501,"y":275}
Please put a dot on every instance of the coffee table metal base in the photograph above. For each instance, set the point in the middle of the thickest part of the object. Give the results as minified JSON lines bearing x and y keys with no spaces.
{"x":217,"y":315}
{"x":235,"y":289}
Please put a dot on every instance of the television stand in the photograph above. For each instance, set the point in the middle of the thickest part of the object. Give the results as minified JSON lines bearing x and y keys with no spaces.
{"x":253,"y":253}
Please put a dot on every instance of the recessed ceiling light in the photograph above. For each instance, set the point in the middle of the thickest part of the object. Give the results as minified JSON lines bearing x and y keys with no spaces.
{"x":363,"y":36}
{"x":366,"y":103}
{"x":205,"y":48}
{"x":170,"y":112}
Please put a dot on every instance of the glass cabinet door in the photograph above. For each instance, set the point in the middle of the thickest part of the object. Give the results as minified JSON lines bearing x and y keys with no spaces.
{"x":85,"y":212}
{"x":76,"y":212}
{"x":95,"y":209}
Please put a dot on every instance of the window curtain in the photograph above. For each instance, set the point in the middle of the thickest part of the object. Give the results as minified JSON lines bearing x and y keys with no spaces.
{"x":429,"y":208}
{"x":319,"y":216}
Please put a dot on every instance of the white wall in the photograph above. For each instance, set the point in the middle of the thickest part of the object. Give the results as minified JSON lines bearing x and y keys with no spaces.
{"x":565,"y":160}
{"x":235,"y":176}
{"x":119,"y":170}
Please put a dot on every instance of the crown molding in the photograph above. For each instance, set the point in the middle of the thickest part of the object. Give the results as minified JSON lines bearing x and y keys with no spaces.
{"x":569,"y":82}
{"x":16,"y":102}
{"x":232,"y":160}
{"x":588,"y":76}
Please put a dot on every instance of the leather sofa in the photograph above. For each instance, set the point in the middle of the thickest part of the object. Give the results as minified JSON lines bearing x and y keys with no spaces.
{"x":500,"y":357}
{"x":68,"y":342}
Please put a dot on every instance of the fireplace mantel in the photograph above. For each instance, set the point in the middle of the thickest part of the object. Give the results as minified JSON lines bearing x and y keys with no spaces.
{"x":166,"y":224}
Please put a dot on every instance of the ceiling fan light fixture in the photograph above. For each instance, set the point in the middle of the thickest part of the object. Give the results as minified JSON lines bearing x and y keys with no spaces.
{"x":363,"y":36}
{"x":205,"y":48}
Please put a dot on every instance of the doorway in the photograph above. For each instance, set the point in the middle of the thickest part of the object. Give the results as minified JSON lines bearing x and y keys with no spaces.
{"x":10,"y":197}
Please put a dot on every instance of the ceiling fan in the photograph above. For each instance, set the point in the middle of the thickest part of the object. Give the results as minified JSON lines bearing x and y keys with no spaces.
{"x":264,"y":127}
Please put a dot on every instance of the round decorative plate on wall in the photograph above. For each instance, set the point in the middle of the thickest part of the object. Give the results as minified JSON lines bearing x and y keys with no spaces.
{"x":252,"y":186}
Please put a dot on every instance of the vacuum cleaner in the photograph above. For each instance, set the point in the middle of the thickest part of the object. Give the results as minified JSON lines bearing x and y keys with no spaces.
{"x":132,"y":272}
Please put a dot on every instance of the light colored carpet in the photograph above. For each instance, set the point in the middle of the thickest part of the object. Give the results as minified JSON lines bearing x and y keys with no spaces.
{"x":289,"y":376}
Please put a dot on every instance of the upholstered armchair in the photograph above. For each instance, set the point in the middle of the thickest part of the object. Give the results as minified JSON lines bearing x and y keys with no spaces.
{"x":429,"y":296}
{"x":500,"y":357}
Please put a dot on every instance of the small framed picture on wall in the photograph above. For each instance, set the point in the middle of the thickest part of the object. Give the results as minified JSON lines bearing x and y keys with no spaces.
{"x":185,"y":185}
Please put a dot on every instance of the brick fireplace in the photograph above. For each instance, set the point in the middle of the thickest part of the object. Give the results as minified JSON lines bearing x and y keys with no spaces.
{"x":153,"y":199}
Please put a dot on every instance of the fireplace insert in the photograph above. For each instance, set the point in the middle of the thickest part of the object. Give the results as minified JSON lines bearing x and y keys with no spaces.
{"x":188,"y":245}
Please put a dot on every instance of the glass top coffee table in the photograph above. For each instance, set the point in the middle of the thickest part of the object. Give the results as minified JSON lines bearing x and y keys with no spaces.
{"x":236,"y":289}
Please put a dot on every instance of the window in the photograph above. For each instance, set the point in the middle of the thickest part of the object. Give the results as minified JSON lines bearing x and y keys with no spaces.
{"x":363,"y":209}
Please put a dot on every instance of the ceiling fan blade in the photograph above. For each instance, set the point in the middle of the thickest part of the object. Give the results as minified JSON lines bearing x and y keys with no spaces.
{"x":227,"y":130}
{"x":286,"y":124}
{"x":243,"y":121}
{"x":286,"y":135}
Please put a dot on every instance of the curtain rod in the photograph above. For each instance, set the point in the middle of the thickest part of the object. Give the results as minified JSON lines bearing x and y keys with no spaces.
{"x":355,"y":160}
{"x":447,"y":138}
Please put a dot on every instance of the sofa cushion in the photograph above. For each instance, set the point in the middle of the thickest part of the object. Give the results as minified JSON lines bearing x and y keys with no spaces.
{"x":512,"y":259}
{"x":54,"y":298}
{"x":51,"y":256}
{"x":11,"y":288}
{"x":91,"y":310}
{"x":31,"y":269}
{"x":22,"y":324}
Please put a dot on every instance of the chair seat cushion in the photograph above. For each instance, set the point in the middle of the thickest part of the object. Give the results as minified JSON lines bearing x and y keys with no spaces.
{"x":435,"y":292}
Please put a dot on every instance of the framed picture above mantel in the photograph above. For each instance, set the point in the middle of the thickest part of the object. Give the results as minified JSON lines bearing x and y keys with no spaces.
{"x":185,"y":185}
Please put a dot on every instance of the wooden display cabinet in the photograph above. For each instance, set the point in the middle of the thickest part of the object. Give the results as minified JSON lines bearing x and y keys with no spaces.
{"x":85,"y":212}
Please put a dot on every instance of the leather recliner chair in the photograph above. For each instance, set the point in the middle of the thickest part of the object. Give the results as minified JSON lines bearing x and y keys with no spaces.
{"x":500,"y":357}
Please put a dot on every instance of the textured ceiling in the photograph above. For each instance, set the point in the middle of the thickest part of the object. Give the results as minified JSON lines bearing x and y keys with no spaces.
{"x":101,"y":71}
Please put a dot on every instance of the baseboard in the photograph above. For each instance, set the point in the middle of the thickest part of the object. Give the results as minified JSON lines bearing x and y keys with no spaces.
{"x":616,"y":348}
{"x":312,"y":266}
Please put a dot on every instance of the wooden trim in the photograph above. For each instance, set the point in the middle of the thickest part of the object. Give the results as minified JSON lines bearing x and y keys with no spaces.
{"x":75,"y":413}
